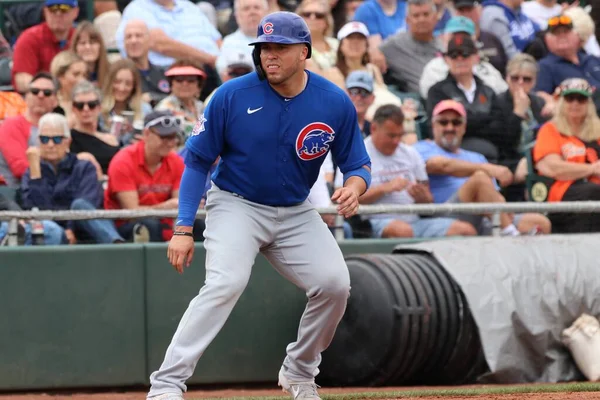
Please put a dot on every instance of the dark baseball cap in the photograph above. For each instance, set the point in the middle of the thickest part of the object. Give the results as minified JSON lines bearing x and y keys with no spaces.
{"x":70,"y":3}
{"x":164,"y":123}
{"x":461,"y":43}
{"x":464,"y":3}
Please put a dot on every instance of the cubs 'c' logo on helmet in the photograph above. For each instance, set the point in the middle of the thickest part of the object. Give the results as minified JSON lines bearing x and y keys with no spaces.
{"x":313,"y":141}
{"x":268,"y":28}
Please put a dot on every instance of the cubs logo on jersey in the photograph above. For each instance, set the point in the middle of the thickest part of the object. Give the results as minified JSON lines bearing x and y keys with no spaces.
{"x":314,"y":140}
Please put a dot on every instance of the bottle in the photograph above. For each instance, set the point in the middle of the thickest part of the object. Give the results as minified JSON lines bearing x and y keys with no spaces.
{"x":37,"y":231}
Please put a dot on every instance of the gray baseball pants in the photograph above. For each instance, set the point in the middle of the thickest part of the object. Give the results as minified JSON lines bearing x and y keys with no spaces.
{"x":300,"y":247}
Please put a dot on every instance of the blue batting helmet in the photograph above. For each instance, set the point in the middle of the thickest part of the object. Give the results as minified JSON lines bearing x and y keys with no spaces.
{"x":284,"y":28}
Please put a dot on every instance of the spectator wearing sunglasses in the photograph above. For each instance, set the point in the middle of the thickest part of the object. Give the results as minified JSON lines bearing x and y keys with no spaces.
{"x":147,"y":175}
{"x":58,"y":180}
{"x":437,"y":69}
{"x":484,"y":125}
{"x":522,"y":113}
{"x":20,"y":132}
{"x":99,"y":147}
{"x":567,"y":150}
{"x":457,"y":175}
{"x":36,"y":47}
{"x":317,"y":15}
{"x":566,"y":59}
{"x":186,"y":80}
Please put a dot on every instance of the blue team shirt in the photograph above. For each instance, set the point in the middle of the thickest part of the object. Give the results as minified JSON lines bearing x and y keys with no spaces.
{"x":371,"y":14}
{"x":444,"y":186}
{"x":271,"y":147}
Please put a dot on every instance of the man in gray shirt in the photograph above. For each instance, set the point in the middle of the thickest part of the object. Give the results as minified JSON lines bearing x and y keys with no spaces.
{"x":407,"y":53}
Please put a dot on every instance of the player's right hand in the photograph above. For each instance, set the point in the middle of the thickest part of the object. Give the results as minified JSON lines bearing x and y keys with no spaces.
{"x":180,"y":252}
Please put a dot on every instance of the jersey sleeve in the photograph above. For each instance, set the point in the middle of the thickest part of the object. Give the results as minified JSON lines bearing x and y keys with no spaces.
{"x":546,"y":142}
{"x":348,"y":149}
{"x":208,"y":136}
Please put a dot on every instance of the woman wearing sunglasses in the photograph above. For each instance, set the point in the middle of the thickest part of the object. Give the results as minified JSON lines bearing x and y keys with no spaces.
{"x":567,"y":150}
{"x":317,"y":15}
{"x":186,"y":80}
{"x":522,"y":113}
{"x":86,"y":138}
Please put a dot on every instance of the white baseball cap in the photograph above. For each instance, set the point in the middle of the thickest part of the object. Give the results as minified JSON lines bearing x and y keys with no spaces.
{"x":353,"y":27}
{"x":236,"y":58}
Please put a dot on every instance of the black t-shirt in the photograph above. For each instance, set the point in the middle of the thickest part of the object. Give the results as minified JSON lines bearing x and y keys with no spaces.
{"x":82,"y":142}
{"x":155,"y":83}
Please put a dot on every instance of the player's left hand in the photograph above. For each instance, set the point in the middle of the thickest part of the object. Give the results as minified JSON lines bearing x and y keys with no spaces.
{"x":347,"y":199}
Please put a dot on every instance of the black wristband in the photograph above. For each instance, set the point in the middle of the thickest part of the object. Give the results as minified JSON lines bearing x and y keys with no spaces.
{"x":180,"y":233}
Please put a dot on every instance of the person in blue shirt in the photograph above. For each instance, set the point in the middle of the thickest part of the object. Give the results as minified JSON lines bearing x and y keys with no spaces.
{"x":460,"y":176}
{"x":272,"y":130}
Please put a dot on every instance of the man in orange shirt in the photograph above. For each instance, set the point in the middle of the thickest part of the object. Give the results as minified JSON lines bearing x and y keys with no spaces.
{"x":147,"y":175}
{"x":36,"y":47}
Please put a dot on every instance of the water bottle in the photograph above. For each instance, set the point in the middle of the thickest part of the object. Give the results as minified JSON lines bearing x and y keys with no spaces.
{"x":37,"y":231}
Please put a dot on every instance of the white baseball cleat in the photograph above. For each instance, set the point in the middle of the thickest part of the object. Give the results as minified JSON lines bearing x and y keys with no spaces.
{"x":167,"y":396}
{"x":298,"y":390}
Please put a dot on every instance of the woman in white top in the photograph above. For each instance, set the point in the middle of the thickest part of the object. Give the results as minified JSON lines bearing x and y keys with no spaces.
{"x":318,"y":17}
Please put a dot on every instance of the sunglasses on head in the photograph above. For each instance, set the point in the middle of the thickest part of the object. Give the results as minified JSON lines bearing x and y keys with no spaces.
{"x":80,"y":105}
{"x":46,"y":139}
{"x":454,"y":54}
{"x":317,"y":15}
{"x":46,"y":92}
{"x":561,"y":20}
{"x":189,"y":79}
{"x":517,"y":78}
{"x":569,"y":98}
{"x":454,"y":122}
{"x":165,"y":122}
{"x":359,"y":92}
{"x":63,"y":8}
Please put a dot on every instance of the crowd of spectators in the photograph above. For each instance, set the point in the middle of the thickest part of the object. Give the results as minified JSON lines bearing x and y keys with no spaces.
{"x":452,"y":97}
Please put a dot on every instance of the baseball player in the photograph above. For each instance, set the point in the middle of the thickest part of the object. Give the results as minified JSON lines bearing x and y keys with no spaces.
{"x":272,"y":129}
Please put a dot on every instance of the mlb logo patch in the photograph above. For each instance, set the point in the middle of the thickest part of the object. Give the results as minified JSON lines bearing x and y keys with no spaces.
{"x":199,"y":127}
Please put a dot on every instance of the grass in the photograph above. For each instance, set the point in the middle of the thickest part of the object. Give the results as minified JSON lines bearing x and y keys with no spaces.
{"x":459,"y":392}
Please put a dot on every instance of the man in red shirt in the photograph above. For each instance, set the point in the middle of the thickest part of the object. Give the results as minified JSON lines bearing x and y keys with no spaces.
{"x":147,"y":175}
{"x":36,"y":47}
{"x":19,"y":133}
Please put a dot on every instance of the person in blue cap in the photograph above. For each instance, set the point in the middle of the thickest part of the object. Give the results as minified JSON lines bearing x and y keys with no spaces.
{"x":272,"y":131}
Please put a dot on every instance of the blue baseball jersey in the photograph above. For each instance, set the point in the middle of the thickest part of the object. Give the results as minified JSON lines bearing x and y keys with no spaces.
{"x":272,"y":147}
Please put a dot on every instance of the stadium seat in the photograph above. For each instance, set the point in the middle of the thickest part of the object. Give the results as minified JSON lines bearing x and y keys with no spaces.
{"x":538,"y":186}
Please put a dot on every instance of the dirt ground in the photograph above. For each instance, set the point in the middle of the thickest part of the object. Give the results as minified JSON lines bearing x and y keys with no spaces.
{"x":200,"y":394}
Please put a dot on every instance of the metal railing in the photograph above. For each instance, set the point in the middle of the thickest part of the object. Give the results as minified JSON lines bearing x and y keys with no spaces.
{"x":446,"y":209}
